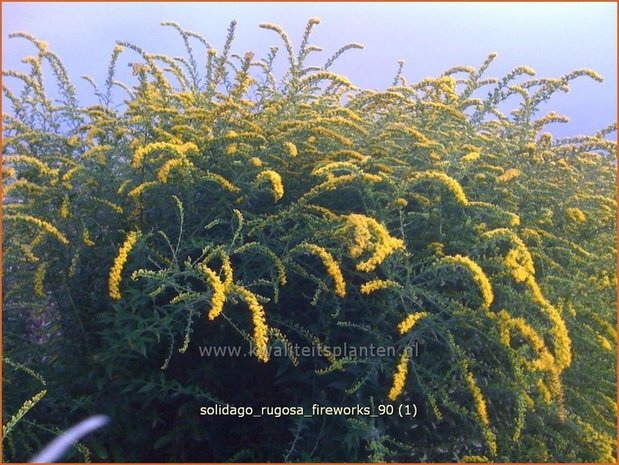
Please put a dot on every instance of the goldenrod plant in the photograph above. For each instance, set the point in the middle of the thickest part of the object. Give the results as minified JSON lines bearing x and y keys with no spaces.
{"x":168,"y":250}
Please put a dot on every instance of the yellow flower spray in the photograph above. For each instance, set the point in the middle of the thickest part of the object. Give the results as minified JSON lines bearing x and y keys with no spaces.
{"x":119,"y":264}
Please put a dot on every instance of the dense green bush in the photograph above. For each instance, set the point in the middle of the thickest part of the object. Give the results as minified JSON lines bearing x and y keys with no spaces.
{"x":226,"y":207}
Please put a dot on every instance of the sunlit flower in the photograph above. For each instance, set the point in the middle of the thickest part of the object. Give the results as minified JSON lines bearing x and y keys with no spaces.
{"x":276,"y":182}
{"x":478,"y":276}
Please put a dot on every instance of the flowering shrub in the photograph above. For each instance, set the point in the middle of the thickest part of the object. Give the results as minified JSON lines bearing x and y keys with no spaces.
{"x":227,"y":207}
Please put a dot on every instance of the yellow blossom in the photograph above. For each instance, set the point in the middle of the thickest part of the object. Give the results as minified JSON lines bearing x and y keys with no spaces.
{"x":232,"y":149}
{"x":333,"y":269}
{"x":561,"y":339}
{"x":365,"y":228}
{"x":544,"y":391}
{"x":219,"y":291}
{"x":141,"y":188}
{"x":377,"y":284}
{"x":480,"y":402}
{"x":400,"y":202}
{"x":119,"y":264}
{"x":64,"y":207}
{"x":261,"y":329}
{"x":223,"y":182}
{"x":179,"y":149}
{"x":256,"y":161}
{"x":604,"y":343}
{"x":478,"y":276}
{"x":86,"y":238}
{"x":508,"y":175}
{"x":44,"y":225}
{"x":407,"y":324}
{"x":291,"y":149}
{"x":449,"y":182}
{"x":471,"y":156}
{"x":576,"y":215}
{"x":399,"y":377}
{"x":545,"y":361}
{"x":276,"y":182}
{"x":164,"y":171}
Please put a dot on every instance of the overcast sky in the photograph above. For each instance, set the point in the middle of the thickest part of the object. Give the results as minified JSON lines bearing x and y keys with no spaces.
{"x":552,"y":38}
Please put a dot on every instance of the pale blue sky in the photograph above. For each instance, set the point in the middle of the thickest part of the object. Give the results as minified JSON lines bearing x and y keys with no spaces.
{"x":552,"y":38}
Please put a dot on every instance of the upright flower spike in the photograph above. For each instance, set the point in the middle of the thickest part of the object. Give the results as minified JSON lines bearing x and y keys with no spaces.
{"x":119,"y":264}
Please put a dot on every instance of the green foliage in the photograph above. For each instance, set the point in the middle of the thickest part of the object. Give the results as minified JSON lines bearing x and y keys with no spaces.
{"x":229,"y":208}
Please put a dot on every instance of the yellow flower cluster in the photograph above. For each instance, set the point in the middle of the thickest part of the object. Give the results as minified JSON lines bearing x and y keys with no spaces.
{"x":365,"y":229}
{"x":561,"y":338}
{"x":86,"y":238}
{"x":256,"y":161}
{"x":545,"y":360}
{"x":475,"y":459}
{"x":519,"y":263}
{"x":400,"y":202}
{"x":43,"y":169}
{"x":347,"y":153}
{"x":508,"y":175}
{"x":480,"y":402}
{"x":604,"y":343}
{"x":478,"y":276}
{"x":449,"y":182}
{"x":437,"y":247}
{"x":219,"y":291}
{"x":141,"y":188}
{"x":28,"y":253}
{"x":544,"y":391}
{"x":333,"y":269}
{"x":119,"y":264}
{"x":276,"y":182}
{"x":471,"y":156}
{"x":232,"y":149}
{"x":64,"y":207}
{"x":519,"y":259}
{"x":42,"y":224}
{"x":336,"y":165}
{"x":112,"y":205}
{"x":291,"y":149}
{"x":377,"y":284}
{"x":261,"y":330}
{"x":399,"y":377}
{"x":180,"y":149}
{"x":26,"y":406}
{"x":164,"y":171}
{"x":407,"y":324}
{"x":576,"y":215}
{"x":223,"y":182}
